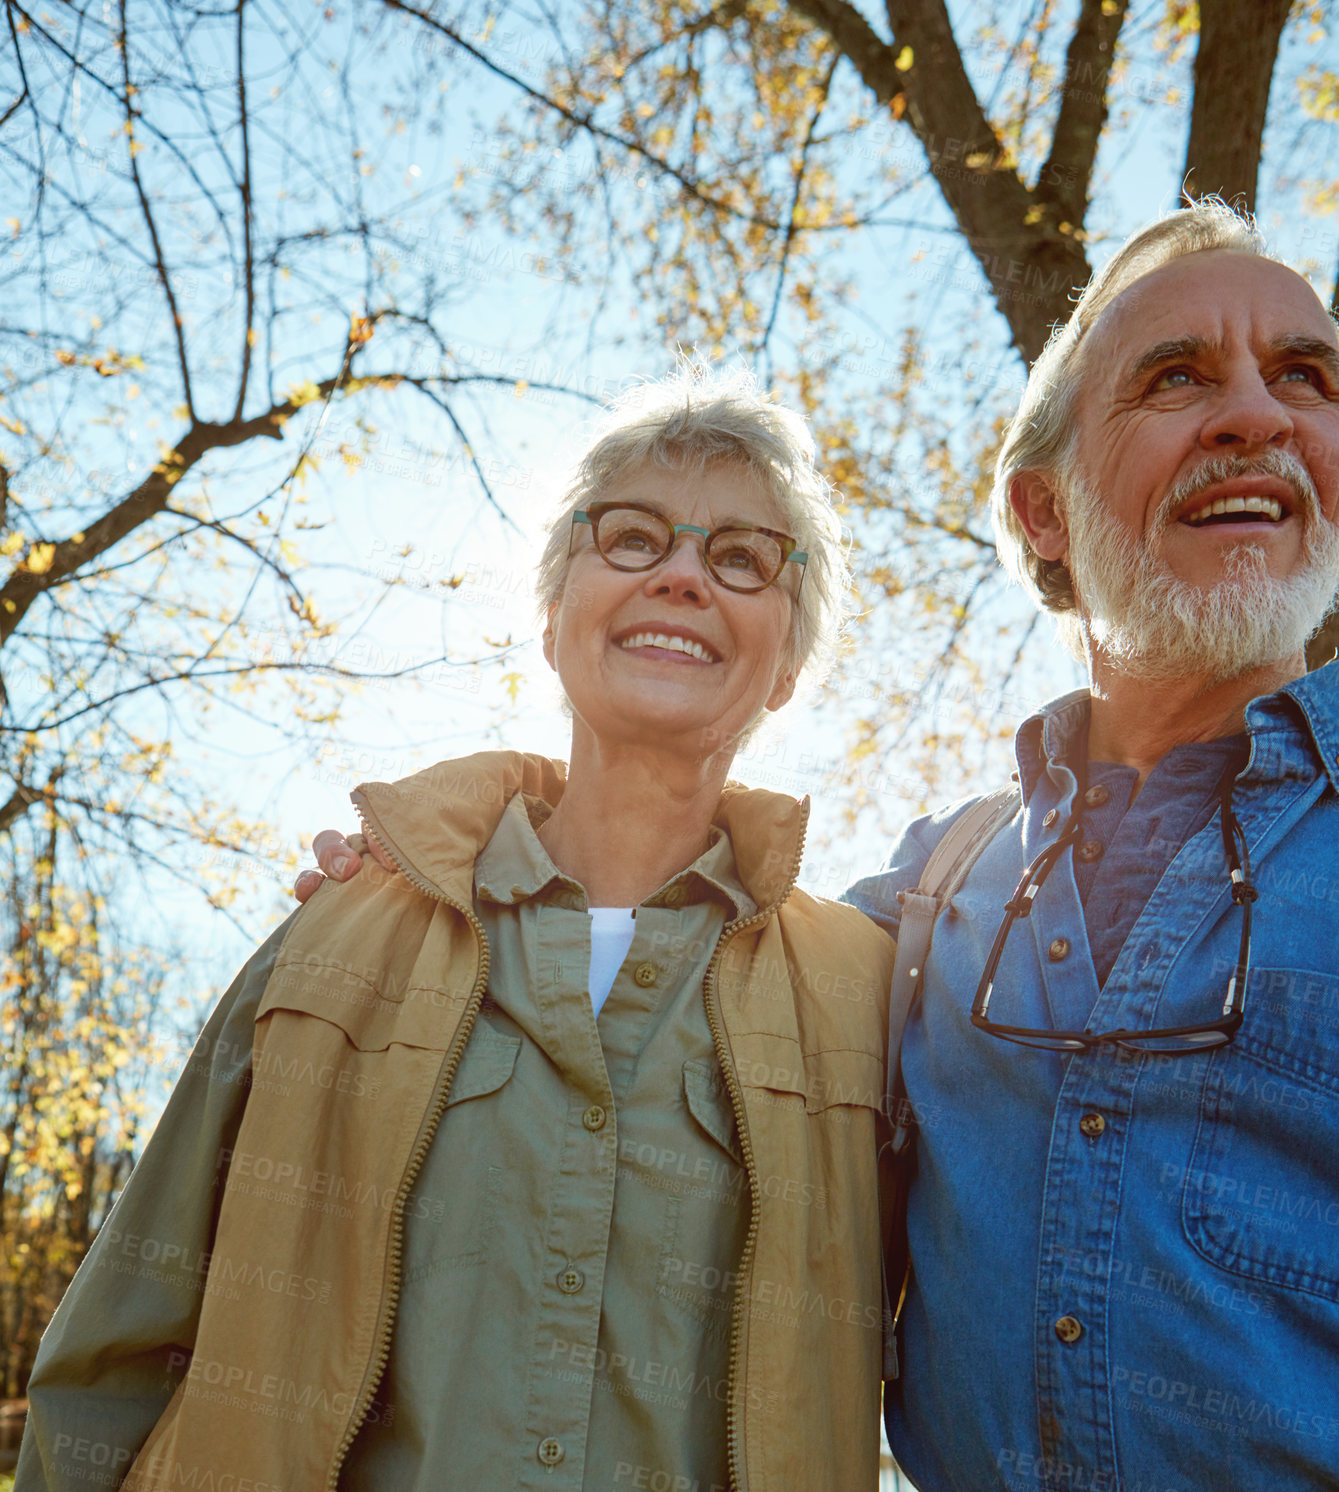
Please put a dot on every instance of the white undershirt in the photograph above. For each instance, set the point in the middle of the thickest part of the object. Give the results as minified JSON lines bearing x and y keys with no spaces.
{"x":611,"y":930}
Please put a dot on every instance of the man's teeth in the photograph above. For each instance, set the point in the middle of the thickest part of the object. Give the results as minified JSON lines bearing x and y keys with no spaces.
{"x":1267,"y":507}
{"x":673,"y":644}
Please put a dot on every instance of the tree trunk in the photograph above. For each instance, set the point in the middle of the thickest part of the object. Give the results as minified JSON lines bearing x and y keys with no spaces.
{"x":1234,"y":66}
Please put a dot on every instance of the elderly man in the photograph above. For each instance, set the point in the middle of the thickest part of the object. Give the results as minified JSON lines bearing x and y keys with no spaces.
{"x":1124,"y":1221}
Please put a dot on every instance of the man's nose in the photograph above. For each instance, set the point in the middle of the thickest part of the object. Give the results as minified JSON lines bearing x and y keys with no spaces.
{"x":1245,"y":415}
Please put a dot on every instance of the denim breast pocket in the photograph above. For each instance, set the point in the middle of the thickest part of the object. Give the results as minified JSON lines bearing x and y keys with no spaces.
{"x":1261,"y":1197}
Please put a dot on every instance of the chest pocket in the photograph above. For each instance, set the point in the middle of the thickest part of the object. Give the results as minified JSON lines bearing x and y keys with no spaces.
{"x":708,"y":1101}
{"x":453,"y":1213}
{"x":1261,"y":1198}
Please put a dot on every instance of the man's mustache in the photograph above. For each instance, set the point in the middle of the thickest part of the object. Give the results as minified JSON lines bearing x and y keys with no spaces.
{"x":1279,"y":464}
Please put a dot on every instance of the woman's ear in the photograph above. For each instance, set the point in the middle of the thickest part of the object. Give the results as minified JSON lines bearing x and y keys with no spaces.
{"x":781,"y":690}
{"x":1033,"y":498}
{"x":547,"y":639}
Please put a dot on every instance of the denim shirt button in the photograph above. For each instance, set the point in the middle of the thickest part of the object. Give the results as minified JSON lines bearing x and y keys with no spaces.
{"x":1090,"y":850}
{"x":1068,"y":1330}
{"x":1095,"y":797}
{"x":1059,"y":949}
{"x":1092,"y":1125}
{"x":1051,"y":815}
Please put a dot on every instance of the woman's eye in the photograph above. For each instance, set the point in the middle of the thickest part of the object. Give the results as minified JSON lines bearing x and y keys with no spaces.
{"x":632,"y":538}
{"x":739,"y":557}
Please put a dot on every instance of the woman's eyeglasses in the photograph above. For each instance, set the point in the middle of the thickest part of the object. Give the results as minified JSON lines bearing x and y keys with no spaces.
{"x":1173,"y":1041}
{"x":740,"y":556}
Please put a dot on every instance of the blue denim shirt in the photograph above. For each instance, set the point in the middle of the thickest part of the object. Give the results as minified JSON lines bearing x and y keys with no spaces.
{"x":1179,"y":1216}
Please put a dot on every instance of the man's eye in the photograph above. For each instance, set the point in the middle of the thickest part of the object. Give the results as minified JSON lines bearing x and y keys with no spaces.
{"x":1302,"y":373}
{"x":1173,"y":378}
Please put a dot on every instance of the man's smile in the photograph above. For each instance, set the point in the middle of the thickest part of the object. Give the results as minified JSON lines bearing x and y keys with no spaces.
{"x":1233,"y":510}
{"x":1255,"y":499}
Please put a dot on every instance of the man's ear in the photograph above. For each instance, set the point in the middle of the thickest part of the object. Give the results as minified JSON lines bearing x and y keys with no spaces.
{"x":1037,"y":508}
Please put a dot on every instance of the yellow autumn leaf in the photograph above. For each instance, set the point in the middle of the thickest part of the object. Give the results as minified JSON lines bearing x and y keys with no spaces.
{"x":11,"y":543}
{"x":905,"y":58}
{"x":40,"y":559}
{"x":511,"y":682}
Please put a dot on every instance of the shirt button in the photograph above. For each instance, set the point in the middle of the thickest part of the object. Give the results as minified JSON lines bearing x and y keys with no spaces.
{"x":1059,"y":949}
{"x":1090,"y":850}
{"x":1068,"y":1330}
{"x":645,"y":975}
{"x":1092,"y":1125}
{"x":1096,"y":796}
{"x":1051,"y":815}
{"x":570,"y":1280}
{"x":674,"y":896}
{"x":550,"y":1451}
{"x":593,"y":1118}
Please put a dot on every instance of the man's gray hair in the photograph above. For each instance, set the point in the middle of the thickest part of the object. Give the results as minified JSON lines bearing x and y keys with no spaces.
{"x":1043,"y":435}
{"x":696,"y":418}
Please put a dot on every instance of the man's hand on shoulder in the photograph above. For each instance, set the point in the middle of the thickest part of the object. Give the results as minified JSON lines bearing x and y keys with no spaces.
{"x":340,"y":859}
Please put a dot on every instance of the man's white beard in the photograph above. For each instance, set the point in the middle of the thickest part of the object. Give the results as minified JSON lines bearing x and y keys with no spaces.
{"x":1149,"y":623}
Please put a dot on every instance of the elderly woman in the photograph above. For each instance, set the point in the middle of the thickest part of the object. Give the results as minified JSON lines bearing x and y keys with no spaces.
{"x":547,"y":1160}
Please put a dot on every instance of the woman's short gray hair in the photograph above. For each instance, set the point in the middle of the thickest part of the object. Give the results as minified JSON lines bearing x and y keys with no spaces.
{"x":698,"y":417}
{"x":1043,"y":435}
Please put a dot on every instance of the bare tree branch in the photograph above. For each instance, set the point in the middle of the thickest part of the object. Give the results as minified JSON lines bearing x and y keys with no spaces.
{"x":1014,"y":245}
{"x":132,"y":148}
{"x":147,"y":500}
{"x":582,"y":121}
{"x":792,"y":223}
{"x":1067,"y":175}
{"x":244,"y":191}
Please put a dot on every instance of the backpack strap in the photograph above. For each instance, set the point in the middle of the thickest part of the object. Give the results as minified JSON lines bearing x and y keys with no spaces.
{"x":944,"y":873}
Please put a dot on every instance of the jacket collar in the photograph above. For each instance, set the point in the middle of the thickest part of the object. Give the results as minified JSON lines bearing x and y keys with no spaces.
{"x":435,"y":823}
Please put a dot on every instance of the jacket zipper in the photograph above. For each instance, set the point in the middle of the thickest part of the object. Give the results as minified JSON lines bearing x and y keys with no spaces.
{"x":442,"y":1091}
{"x":711,"y":1000}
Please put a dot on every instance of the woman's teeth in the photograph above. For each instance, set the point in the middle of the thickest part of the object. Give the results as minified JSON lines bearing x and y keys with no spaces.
{"x":671,"y":644}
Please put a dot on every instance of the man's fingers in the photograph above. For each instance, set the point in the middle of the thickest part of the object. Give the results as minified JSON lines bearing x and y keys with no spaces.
{"x":306,"y":884}
{"x":335,"y":855}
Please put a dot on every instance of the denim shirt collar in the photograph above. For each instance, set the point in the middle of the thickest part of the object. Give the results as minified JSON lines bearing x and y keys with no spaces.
{"x":1045,"y":740}
{"x":1292,"y":732}
{"x":1315,"y":696}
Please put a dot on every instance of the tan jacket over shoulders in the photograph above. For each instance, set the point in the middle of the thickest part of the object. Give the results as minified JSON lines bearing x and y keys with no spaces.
{"x":377,"y":984}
